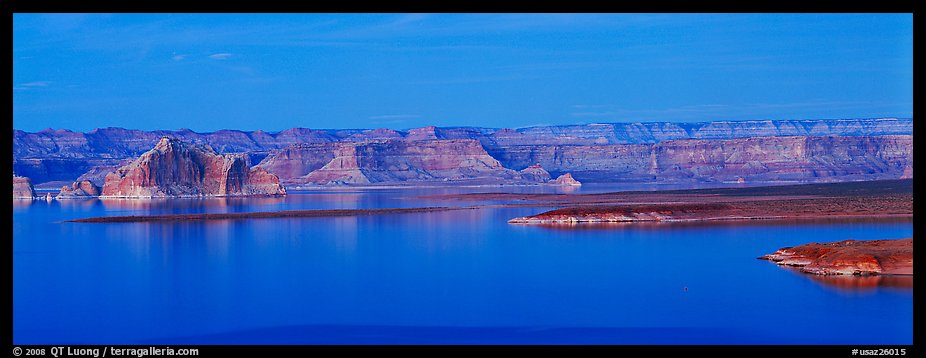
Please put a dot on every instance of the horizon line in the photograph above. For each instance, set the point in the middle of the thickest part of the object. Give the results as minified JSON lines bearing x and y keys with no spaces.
{"x":50,"y":129}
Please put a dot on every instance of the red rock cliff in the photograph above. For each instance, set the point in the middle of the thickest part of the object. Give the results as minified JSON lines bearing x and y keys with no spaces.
{"x":22,"y":188}
{"x":175,"y":168}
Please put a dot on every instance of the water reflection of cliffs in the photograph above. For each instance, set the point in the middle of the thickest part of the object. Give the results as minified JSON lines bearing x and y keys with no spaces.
{"x":864,"y":283}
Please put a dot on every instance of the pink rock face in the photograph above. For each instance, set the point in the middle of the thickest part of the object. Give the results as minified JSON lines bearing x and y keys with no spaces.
{"x":424,"y":133}
{"x":758,"y":159}
{"x":566,"y":179}
{"x":297,"y":161}
{"x":907,"y":172}
{"x":175,"y":168}
{"x":394,"y":161}
{"x":849,"y":257}
{"x":79,"y":189}
{"x":261,"y":182}
{"x":535,"y":173}
{"x":344,"y":168}
{"x":22,"y":188}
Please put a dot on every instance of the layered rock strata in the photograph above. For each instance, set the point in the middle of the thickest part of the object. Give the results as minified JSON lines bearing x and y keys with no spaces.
{"x":175,"y":168}
{"x":22,"y":188}
{"x":79,"y":190}
{"x":566,"y":179}
{"x":789,"y":150}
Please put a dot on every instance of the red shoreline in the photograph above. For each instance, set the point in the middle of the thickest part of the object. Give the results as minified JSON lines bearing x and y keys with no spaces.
{"x":849,"y":257}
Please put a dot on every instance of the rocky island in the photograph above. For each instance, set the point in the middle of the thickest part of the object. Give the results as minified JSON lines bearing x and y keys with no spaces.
{"x":849,"y":257}
{"x":178,"y":169}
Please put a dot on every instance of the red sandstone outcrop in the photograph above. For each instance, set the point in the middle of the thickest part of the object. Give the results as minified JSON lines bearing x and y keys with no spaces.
{"x":79,"y":190}
{"x":22,"y":188}
{"x":396,"y":161}
{"x":535,"y":173}
{"x":849,"y":257}
{"x":176,"y":168}
{"x":566,"y":179}
{"x":758,"y":159}
{"x":344,"y":168}
{"x":296,"y":161}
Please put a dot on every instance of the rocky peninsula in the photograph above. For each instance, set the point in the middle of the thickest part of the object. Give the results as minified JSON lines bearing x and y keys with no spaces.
{"x":849,"y":257}
{"x":887,"y":198}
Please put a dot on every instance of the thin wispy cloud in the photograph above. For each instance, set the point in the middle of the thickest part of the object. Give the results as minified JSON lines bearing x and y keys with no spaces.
{"x":36,"y":84}
{"x":178,"y":57}
{"x":31,"y":85}
{"x":220,"y":56}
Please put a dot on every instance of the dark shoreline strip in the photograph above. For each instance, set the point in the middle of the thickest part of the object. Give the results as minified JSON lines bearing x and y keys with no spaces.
{"x":262,"y":215}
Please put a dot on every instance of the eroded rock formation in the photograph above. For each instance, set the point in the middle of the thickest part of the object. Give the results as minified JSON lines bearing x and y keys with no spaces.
{"x":394,"y":161}
{"x":79,"y":190}
{"x":535,"y":173}
{"x":176,"y":168}
{"x":22,"y":188}
{"x":566,"y":179}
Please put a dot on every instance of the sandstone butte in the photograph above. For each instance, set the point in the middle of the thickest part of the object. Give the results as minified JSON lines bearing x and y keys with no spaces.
{"x":22,"y":188}
{"x":849,"y":257}
{"x":179,"y":169}
{"x":535,"y":172}
{"x":566,"y":179}
{"x":78,"y":190}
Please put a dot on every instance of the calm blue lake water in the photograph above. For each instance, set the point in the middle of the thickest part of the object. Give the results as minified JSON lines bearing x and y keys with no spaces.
{"x":447,"y":277}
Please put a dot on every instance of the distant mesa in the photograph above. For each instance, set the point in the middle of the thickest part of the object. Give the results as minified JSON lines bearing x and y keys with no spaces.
{"x":79,"y":190}
{"x":849,"y":257}
{"x":22,"y":188}
{"x":392,"y":161}
{"x":179,"y":169}
{"x":535,"y":173}
{"x":788,"y":151}
{"x":424,"y":133}
{"x":566,"y":179}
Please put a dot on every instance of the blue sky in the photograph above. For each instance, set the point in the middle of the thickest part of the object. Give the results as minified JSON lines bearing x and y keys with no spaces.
{"x":276,"y":71}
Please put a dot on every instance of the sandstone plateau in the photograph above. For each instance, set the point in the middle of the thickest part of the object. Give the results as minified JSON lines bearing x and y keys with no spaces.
{"x":395,"y":161}
{"x":727,"y":151}
{"x":22,"y":188}
{"x":175,"y":168}
{"x":849,"y":257}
